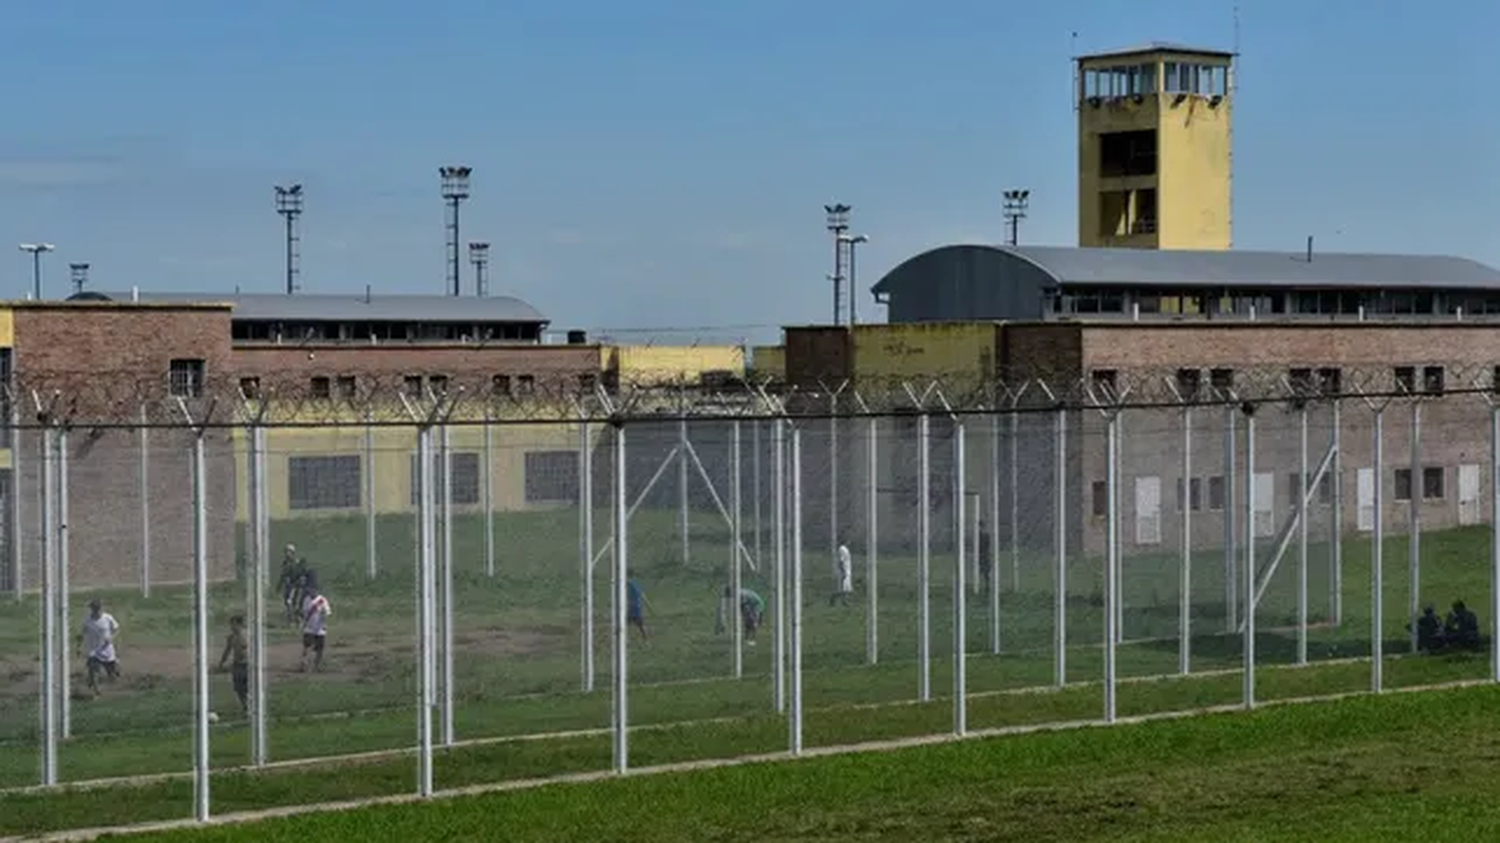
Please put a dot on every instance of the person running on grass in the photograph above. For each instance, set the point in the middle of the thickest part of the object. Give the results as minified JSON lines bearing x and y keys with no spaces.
{"x":238,"y":646}
{"x":315,"y":612}
{"x":97,"y":642}
{"x":636,"y":604}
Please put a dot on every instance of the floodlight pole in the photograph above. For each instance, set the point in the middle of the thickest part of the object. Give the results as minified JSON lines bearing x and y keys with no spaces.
{"x":852,"y":242}
{"x":837,"y":221}
{"x":36,"y":250}
{"x":289,"y":206}
{"x":455,"y":189}
{"x":479,"y":256}
{"x":1016,"y":202}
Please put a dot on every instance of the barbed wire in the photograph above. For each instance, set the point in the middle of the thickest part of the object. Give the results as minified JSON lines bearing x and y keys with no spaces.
{"x":128,"y":399}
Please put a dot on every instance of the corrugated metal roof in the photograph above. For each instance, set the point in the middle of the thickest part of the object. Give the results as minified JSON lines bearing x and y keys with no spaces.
{"x":378,"y":308}
{"x":1181,"y":268}
{"x":1158,"y":47}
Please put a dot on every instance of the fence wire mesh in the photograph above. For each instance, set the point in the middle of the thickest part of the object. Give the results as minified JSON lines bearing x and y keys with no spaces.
{"x":951,"y":555}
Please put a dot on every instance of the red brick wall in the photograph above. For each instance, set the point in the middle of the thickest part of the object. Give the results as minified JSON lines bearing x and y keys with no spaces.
{"x":293,"y":366}
{"x":818,"y":354}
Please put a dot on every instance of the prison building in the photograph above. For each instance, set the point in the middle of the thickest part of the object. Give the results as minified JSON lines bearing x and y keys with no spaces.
{"x":1169,"y":328}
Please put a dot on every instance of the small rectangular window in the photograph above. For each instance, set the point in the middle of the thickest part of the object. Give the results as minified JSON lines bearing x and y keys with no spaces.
{"x":1301,"y":382}
{"x":1432,"y":483}
{"x":185,"y":378}
{"x":321,"y":387}
{"x":1194,"y":494}
{"x":1406,"y":379}
{"x":551,"y":476}
{"x":1325,"y":489}
{"x":1295,"y":488}
{"x":250,"y":388}
{"x":587,"y":382}
{"x":1433,"y":381}
{"x":348,"y":387}
{"x":500,"y":384}
{"x":1330,"y":382}
{"x":1100,"y":499}
{"x":526,"y":384}
{"x":1403,"y":484}
{"x":1106,"y":384}
{"x":411,"y":386}
{"x":1222,"y":381}
{"x":439,"y":384}
{"x":1216,"y":493}
{"x":323,"y":482}
{"x":1189,"y":384}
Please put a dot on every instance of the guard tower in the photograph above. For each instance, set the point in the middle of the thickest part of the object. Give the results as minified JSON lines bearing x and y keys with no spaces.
{"x":1154,"y":131}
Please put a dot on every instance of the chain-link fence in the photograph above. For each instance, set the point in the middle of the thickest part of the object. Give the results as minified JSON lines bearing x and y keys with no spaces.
{"x":468,"y":595}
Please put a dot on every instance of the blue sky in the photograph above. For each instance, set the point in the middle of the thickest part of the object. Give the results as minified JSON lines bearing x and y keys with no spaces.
{"x":659,"y":164}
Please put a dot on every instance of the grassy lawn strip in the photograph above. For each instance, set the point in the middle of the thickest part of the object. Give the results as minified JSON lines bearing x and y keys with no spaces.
{"x":35,"y":812}
{"x":1361,"y":769}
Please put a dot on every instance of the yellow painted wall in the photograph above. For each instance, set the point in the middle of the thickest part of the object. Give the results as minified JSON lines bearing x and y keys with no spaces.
{"x":7,"y":327}
{"x":672,"y":363}
{"x":1194,"y":163}
{"x":1194,"y":196}
{"x":958,"y":352}
{"x":392,"y":455}
{"x":769,"y":361}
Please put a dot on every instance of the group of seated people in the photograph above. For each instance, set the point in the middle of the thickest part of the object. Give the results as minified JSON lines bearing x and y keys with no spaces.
{"x":1460,"y":630}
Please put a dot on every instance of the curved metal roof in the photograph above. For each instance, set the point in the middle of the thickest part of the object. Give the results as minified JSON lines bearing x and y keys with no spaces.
{"x":1233,"y":268}
{"x":339,"y":308}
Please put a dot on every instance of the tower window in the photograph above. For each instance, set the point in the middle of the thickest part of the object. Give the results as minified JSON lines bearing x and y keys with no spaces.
{"x":1127,"y":153}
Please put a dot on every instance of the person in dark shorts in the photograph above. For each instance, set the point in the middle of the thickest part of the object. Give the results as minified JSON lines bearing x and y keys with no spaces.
{"x":986,"y":560}
{"x":315,"y":612}
{"x":237,"y":646}
{"x":98,"y":644}
{"x":288,"y":583}
{"x":752,"y":611}
{"x":1462,"y":627}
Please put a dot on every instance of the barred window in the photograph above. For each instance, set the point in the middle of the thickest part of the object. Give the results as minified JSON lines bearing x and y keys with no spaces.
{"x":323,"y":482}
{"x":465,"y":478}
{"x":551,"y":476}
{"x":185,"y":378}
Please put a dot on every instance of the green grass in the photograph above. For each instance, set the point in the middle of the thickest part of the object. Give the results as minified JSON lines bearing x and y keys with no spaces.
{"x":517,"y":658}
{"x":1370,"y":768}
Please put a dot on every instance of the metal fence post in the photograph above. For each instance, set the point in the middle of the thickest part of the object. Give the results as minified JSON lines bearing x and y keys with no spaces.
{"x":200,"y":624}
{"x":924,"y":558}
{"x":1249,"y":573}
{"x":145,"y":504}
{"x":65,"y":615}
{"x":50,"y":635}
{"x":778,"y":533}
{"x":1336,"y":537}
{"x":1185,"y":586}
{"x":1414,"y":530}
{"x":1377,"y":561}
{"x":427,"y":552}
{"x":586,"y":547}
{"x":1303,"y":517}
{"x":960,"y":591}
{"x":489,"y":491}
{"x":1495,"y":543}
{"x":1111,"y":557}
{"x":371,"y":564}
{"x":1060,"y":577}
{"x":620,"y":585}
{"x":872,"y":540}
{"x":445,"y":445}
{"x":736,"y":572}
{"x":255,"y":587}
{"x":795,"y":721}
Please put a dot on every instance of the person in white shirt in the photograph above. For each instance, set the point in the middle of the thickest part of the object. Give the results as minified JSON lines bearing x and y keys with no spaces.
{"x":315,"y":612}
{"x":843,"y":577}
{"x":97,"y":642}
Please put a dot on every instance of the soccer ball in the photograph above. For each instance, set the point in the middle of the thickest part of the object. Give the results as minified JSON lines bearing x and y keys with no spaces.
{"x":213,"y":717}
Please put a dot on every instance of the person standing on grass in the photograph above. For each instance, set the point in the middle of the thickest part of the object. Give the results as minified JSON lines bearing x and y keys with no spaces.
{"x":843,"y":576}
{"x":288,"y":582}
{"x":238,"y":646}
{"x":98,"y":644}
{"x":636,"y":604}
{"x":986,"y":561}
{"x":315,"y":612}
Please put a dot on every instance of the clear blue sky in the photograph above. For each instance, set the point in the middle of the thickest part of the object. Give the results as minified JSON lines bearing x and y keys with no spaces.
{"x":658,"y":163}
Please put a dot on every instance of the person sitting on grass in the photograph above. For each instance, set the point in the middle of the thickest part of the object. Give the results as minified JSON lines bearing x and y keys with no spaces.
{"x":1429,"y":631}
{"x":1462,"y":629}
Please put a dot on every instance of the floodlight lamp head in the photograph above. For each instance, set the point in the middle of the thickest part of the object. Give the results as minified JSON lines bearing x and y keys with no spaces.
{"x":455,"y":181}
{"x":838,"y":216}
{"x":37,"y":247}
{"x":289,"y":200}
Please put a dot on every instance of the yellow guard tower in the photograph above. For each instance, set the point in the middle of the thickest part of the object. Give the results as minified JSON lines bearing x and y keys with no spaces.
{"x":1154,"y":131}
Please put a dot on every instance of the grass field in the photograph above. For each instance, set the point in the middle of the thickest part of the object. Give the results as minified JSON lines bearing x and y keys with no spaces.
{"x":1397,"y":767}
{"x":517,"y":664}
